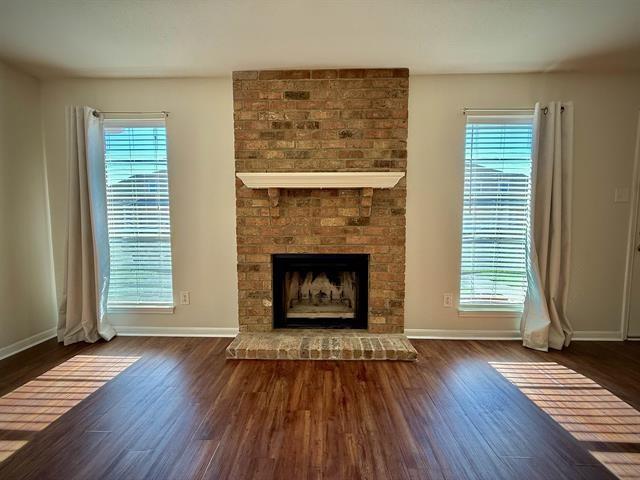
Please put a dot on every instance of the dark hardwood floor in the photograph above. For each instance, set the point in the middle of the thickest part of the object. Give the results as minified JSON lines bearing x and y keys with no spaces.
{"x":181,"y":411}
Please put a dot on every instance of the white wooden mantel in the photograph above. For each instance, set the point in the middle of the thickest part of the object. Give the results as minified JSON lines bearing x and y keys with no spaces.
{"x":320,"y":179}
{"x":274,"y":181}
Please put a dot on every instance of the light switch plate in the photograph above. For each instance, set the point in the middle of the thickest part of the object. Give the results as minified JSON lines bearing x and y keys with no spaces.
{"x":621,"y":195}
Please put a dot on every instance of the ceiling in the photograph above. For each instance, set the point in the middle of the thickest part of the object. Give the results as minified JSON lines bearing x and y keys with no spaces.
{"x":184,"y":38}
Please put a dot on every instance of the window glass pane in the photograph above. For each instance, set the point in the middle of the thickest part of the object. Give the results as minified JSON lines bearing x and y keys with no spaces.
{"x":138,"y":213}
{"x":497,"y":195}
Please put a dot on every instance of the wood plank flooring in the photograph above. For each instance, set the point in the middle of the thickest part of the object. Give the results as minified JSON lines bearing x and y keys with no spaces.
{"x":181,"y":411}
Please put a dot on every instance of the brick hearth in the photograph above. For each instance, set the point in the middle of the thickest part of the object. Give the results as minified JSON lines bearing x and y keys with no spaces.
{"x":321,"y":120}
{"x":321,"y":345}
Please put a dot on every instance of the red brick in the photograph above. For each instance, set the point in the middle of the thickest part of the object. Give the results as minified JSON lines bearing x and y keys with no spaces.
{"x":324,"y":74}
{"x":246,"y":75}
{"x":351,"y":73}
{"x":283,"y":74}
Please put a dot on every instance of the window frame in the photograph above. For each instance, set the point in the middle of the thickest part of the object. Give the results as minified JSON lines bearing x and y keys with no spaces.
{"x":142,"y":121}
{"x":480,"y":310}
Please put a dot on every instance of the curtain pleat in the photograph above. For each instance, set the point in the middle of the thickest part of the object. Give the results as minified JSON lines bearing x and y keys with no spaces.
{"x":544,"y":322}
{"x":85,"y":289}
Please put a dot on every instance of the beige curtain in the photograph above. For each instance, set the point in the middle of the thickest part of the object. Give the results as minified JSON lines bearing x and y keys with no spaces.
{"x":84,"y":298}
{"x":544,"y":321}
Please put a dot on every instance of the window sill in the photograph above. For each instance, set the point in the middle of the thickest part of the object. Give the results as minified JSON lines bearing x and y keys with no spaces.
{"x":163,"y":309}
{"x":483,"y":311}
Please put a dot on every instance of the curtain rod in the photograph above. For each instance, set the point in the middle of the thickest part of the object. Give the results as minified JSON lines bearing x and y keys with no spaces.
{"x":466,"y":110}
{"x":96,"y":113}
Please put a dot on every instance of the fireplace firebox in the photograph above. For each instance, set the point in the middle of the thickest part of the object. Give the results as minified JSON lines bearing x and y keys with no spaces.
{"x":320,"y":290}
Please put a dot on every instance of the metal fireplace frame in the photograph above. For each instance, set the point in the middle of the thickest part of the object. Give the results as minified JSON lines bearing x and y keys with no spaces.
{"x":356,"y":262}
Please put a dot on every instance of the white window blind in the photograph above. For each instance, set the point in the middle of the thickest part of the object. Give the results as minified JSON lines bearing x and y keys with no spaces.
{"x":497,"y":195}
{"x":138,"y":213}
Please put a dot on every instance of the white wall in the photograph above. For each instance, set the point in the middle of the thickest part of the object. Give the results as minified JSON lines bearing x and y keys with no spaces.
{"x":606,"y":116}
{"x":201,"y":182}
{"x":27,"y":300}
{"x":200,"y":130}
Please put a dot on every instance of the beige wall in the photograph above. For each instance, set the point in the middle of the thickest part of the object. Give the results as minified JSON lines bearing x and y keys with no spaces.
{"x":27,"y":300}
{"x":606,"y":115}
{"x":201,"y":182}
{"x":202,"y":189}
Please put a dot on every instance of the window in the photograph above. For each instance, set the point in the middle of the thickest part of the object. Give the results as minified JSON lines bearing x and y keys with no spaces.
{"x":138,"y":214}
{"x":497,"y":195}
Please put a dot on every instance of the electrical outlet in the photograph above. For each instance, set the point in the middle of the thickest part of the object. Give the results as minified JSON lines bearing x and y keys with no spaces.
{"x":447,"y":300}
{"x":185,"y":298}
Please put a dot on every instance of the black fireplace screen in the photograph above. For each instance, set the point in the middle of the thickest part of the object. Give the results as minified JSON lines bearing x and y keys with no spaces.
{"x":320,"y":290}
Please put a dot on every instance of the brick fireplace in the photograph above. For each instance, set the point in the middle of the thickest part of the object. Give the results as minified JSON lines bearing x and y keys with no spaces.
{"x":351,"y":120}
{"x":320,"y":290}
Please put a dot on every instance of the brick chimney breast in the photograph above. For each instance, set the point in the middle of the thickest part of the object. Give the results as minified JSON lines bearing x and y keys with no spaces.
{"x":337,"y":120}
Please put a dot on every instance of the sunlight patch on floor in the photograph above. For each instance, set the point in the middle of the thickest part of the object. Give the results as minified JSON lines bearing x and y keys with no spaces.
{"x":7,"y":447}
{"x":36,"y":404}
{"x":583,"y":408}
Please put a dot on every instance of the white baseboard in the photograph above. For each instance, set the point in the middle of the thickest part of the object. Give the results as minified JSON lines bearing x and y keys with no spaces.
{"x":595,"y":335}
{"x":132,"y":331}
{"x":417,"y":333}
{"x":581,"y":335}
{"x":434,"y":334}
{"x":27,"y":343}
